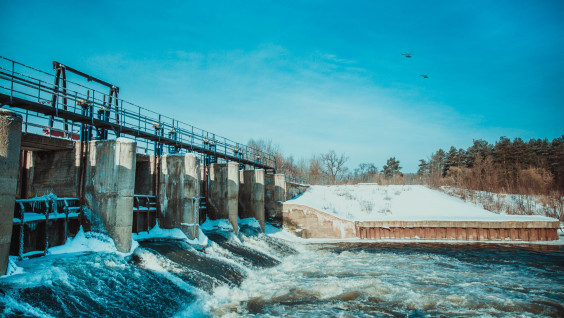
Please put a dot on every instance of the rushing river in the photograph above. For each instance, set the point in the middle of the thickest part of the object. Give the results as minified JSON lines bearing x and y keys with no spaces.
{"x":257,"y":275}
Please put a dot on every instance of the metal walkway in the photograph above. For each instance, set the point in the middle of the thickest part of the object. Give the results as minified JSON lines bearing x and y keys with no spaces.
{"x":55,"y":106}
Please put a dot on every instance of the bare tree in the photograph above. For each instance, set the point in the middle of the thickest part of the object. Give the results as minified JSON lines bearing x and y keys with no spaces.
{"x":333,"y":166}
{"x":315,"y":173}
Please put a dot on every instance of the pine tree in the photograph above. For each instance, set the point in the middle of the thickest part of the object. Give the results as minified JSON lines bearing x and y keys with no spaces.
{"x":451,"y":160}
{"x":423,"y":167}
{"x":502,"y":161}
{"x":556,"y":162}
{"x":480,"y":147}
{"x":391,"y":168}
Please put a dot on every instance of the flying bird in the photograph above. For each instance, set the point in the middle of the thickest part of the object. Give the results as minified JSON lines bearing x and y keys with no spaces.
{"x":408,"y":55}
{"x":424,"y":75}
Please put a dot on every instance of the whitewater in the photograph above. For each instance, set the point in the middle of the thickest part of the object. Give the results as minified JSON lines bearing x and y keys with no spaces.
{"x":271,"y":275}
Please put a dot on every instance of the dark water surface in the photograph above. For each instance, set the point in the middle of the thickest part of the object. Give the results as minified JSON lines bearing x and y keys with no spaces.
{"x":259,"y":276}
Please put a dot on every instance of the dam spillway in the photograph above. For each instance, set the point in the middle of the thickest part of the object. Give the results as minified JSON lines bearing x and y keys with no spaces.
{"x":168,"y":278}
{"x":65,"y":138}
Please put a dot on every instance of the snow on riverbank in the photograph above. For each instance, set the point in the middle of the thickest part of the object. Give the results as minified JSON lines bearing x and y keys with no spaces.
{"x":517,"y":204}
{"x":369,"y":202}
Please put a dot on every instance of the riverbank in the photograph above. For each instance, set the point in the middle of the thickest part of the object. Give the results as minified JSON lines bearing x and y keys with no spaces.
{"x":369,"y":211}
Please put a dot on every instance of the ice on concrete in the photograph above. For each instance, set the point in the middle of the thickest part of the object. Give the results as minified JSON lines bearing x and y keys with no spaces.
{"x":217,"y":225}
{"x":250,"y":222}
{"x":125,"y":140}
{"x":158,"y":233}
{"x":86,"y":242}
{"x":13,"y":268}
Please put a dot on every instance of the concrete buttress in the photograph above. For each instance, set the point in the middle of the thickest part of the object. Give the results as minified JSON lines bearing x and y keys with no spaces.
{"x":275,"y":194}
{"x":251,"y":195}
{"x":10,"y":145}
{"x":110,"y":182}
{"x":179,"y":188}
{"x":223,"y":196}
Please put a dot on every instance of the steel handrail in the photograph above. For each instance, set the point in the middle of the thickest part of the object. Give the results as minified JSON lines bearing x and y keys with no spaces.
{"x":139,"y":118}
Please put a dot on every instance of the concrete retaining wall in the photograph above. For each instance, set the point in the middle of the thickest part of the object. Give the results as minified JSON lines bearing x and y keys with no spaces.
{"x":251,"y":195}
{"x":295,"y":189}
{"x":110,"y":176}
{"x":10,"y":145}
{"x":307,"y":222}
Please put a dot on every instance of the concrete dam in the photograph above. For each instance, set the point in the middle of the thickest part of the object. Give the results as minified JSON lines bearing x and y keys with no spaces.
{"x":100,"y":161}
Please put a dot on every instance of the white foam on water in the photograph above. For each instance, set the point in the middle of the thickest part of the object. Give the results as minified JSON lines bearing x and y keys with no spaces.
{"x":216,"y":251}
{"x":326,"y":281}
{"x":330,"y":280}
{"x":166,"y":268}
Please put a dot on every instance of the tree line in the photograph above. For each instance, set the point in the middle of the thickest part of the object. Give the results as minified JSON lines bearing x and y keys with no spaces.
{"x":330,"y":168}
{"x":508,"y":166}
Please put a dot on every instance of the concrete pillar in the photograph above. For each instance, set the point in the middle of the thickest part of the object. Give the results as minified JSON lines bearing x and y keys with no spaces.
{"x":251,"y":195}
{"x":110,"y":183}
{"x":275,"y":194}
{"x":10,"y":145}
{"x":179,"y":185}
{"x":223,"y":196}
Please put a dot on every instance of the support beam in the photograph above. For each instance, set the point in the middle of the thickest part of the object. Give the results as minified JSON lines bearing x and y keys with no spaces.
{"x":179,"y":188}
{"x":251,"y":195}
{"x":10,"y":145}
{"x":223,"y":196}
{"x":275,"y":194}
{"x":110,"y":181}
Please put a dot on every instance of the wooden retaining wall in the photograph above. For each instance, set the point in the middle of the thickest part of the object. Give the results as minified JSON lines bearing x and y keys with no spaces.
{"x":461,"y":234}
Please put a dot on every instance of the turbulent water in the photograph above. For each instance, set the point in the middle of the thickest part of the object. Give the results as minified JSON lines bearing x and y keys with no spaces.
{"x":257,"y":275}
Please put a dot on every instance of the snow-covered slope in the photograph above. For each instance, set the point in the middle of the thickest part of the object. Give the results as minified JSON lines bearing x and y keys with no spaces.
{"x":369,"y":202}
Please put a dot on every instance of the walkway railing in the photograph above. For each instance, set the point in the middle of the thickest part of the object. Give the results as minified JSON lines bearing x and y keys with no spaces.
{"x":38,"y":215}
{"x":79,"y":112}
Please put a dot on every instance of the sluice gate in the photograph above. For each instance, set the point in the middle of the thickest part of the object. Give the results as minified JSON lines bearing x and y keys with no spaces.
{"x":144,"y":212}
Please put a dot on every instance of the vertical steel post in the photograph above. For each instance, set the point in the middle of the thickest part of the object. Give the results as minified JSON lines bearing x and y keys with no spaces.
{"x":12,"y":82}
{"x":55,"y":92}
{"x":21,"y":249}
{"x":66,"y":210}
{"x":49,"y":207}
{"x":65,"y":101}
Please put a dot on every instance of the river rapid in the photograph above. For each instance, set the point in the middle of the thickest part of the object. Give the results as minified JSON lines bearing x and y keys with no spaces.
{"x":255,"y":275}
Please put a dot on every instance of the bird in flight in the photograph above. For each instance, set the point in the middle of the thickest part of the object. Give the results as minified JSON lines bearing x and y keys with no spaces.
{"x":408,"y":55}
{"x":424,"y":75}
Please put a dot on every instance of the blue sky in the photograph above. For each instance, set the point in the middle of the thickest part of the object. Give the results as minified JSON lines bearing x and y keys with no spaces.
{"x":317,"y":75}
